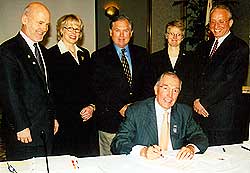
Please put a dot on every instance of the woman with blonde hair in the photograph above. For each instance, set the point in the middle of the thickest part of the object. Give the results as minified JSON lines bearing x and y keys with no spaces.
{"x":69,"y":70}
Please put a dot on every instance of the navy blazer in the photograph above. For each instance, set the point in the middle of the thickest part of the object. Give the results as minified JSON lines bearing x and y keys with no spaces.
{"x":110,"y":84}
{"x":23,"y":91}
{"x":140,"y":128}
{"x":219,"y":87}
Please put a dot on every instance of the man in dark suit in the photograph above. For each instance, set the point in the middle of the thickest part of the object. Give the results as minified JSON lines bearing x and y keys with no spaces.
{"x":24,"y":90}
{"x":115,"y":83}
{"x":141,"y":131}
{"x":223,"y":71}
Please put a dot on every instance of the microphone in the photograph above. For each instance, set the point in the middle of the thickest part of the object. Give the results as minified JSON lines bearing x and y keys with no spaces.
{"x":43,"y":137}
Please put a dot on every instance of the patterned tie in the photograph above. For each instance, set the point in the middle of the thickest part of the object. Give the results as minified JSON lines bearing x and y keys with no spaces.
{"x":126,"y":67}
{"x":39,"y":58}
{"x":165,"y":132}
{"x":214,"y":49}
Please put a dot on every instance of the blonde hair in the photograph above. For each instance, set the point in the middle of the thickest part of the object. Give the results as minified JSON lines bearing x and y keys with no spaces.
{"x":62,"y":22}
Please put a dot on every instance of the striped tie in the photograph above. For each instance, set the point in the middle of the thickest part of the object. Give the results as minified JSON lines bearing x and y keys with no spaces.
{"x":214,"y":49}
{"x":126,"y":67}
{"x":39,"y":58}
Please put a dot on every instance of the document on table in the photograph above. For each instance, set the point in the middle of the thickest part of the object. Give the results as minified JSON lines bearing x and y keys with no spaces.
{"x":214,"y":160}
{"x":57,"y":164}
{"x":19,"y":166}
{"x":166,"y":163}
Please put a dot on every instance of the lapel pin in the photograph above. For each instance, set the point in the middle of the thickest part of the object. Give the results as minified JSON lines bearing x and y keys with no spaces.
{"x":82,"y":57}
{"x":175,"y":128}
{"x":34,"y":62}
{"x":29,"y":56}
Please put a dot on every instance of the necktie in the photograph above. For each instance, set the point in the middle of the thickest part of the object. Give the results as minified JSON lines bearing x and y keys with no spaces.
{"x":126,"y":67}
{"x":165,"y":132}
{"x":214,"y":49}
{"x":39,"y":58}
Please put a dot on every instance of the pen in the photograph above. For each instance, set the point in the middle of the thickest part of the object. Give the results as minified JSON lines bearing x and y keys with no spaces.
{"x":11,"y":168}
{"x":223,"y":149}
{"x":154,"y":147}
{"x":245,"y":148}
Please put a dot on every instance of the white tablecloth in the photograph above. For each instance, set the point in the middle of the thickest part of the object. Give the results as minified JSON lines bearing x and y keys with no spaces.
{"x":233,"y":160}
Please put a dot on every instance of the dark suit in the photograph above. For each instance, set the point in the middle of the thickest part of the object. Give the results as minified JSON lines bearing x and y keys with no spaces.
{"x":110,"y":84}
{"x":25,"y":98}
{"x":140,"y":128}
{"x":219,"y":87}
{"x":70,"y":85}
{"x":184,"y":68}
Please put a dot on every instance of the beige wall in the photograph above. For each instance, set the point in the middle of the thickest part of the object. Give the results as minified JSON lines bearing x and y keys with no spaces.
{"x":162,"y":13}
{"x":11,"y":10}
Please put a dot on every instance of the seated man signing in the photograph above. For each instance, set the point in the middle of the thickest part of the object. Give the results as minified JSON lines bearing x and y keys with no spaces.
{"x":159,"y":124}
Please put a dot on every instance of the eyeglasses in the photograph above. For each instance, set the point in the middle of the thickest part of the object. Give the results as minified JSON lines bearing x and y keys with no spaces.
{"x":174,"y":34}
{"x":71,"y":29}
{"x":168,"y":89}
{"x":219,"y":22}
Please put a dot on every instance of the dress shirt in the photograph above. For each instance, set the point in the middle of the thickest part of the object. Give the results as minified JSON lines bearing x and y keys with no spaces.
{"x":127,"y":55}
{"x":220,"y":40}
{"x":173,"y":60}
{"x":63,"y":49}
{"x":159,"y":118}
{"x":31,"y":46}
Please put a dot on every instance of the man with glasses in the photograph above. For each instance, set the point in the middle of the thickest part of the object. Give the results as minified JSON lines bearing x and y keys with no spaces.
{"x":223,"y":66}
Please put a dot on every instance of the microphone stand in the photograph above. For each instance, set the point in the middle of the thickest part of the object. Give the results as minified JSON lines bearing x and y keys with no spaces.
{"x":43,"y":136}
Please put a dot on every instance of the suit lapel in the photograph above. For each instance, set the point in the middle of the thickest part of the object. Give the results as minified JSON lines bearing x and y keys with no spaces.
{"x":218,"y":56}
{"x":151,"y":122}
{"x":29,"y":56}
{"x":174,"y":125}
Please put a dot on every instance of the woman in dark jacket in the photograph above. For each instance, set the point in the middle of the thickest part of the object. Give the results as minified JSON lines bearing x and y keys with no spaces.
{"x":69,"y":70}
{"x":175,"y":59}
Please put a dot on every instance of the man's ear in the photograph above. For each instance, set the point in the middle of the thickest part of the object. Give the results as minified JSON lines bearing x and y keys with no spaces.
{"x":231,"y":21}
{"x":131,"y":33}
{"x":110,"y":32}
{"x":24,"y":19}
{"x":156,"y":89}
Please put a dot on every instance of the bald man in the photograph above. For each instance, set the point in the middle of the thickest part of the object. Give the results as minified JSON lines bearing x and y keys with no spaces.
{"x":24,"y":90}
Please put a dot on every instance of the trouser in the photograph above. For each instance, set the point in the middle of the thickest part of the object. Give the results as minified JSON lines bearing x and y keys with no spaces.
{"x":105,"y":140}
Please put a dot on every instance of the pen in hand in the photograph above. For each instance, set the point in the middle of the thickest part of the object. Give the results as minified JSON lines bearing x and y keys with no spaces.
{"x":155,"y":152}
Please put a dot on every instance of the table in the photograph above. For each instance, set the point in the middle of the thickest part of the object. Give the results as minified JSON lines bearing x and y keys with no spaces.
{"x":233,"y":159}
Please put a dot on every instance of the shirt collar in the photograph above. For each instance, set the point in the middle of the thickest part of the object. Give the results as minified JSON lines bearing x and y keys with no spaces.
{"x":118,"y":49}
{"x":221,"y":39}
{"x":28,"y":41}
{"x":160,"y":109}
{"x":63,"y":49}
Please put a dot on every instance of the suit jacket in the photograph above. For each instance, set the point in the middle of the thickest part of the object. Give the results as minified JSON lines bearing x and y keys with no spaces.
{"x":184,"y":68}
{"x":219,"y":87}
{"x":70,"y":86}
{"x":70,"y":82}
{"x":140,"y":128}
{"x":110,"y":84}
{"x":23,"y":92}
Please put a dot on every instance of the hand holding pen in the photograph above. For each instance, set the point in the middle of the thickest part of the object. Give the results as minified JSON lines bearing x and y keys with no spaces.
{"x":151,"y":152}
